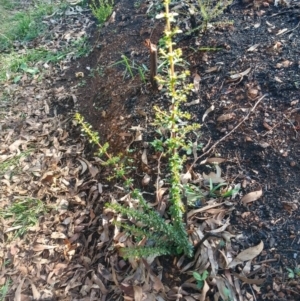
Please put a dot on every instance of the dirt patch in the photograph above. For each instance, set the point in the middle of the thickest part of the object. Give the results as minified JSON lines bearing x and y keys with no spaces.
{"x":110,"y":98}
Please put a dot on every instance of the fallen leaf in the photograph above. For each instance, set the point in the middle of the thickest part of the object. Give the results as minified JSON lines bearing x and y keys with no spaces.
{"x":18,"y":291}
{"x":210,"y":109}
{"x":146,"y":180}
{"x":240,"y":75}
{"x":215,"y":160}
{"x":252,"y":48}
{"x":226,"y":117}
{"x":58,"y":235}
{"x":93,"y":170}
{"x":144,"y":157}
{"x":205,"y":289}
{"x":259,"y":281}
{"x":197,"y":79}
{"x":193,"y":102}
{"x":251,"y":197}
{"x":246,"y":255}
{"x":185,"y":178}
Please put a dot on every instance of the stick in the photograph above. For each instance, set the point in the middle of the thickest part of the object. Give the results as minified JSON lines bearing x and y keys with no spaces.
{"x":153,"y":62}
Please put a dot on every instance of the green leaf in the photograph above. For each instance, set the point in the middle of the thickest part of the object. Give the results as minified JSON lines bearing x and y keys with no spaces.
{"x":17,"y":79}
{"x":26,"y":69}
{"x":204,"y":275}
{"x":200,"y":284}
{"x":291,"y":273}
{"x":197,"y":276}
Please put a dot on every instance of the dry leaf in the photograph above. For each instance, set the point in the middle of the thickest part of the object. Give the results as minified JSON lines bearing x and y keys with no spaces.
{"x":41,"y":247}
{"x":58,"y":235}
{"x":252,"y":48}
{"x":259,"y":281}
{"x":282,"y":31}
{"x":93,"y":170}
{"x":84,"y":166}
{"x":146,"y":180}
{"x":210,"y":109}
{"x":193,"y":102}
{"x":205,"y":289}
{"x":185,"y":178}
{"x":144,"y":157}
{"x":213,"y":177}
{"x":247,"y":254}
{"x":138,"y":293}
{"x":215,"y":160}
{"x":240,"y":75}
{"x":251,"y":197}
{"x":197,"y":79}
{"x":225,"y":117}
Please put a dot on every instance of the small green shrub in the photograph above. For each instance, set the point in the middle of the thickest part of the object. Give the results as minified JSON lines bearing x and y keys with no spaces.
{"x":103,"y":10}
{"x":209,"y":10}
{"x":200,"y":278}
{"x":131,"y":66}
{"x":162,"y":238}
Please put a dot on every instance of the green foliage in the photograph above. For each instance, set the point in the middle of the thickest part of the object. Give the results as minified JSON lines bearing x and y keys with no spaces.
{"x":119,"y":169}
{"x":200,"y":278}
{"x":293,"y":273}
{"x":137,"y":3}
{"x":165,"y":236}
{"x":214,"y":190}
{"x":19,"y":27}
{"x":210,"y":9}
{"x":12,"y":164}
{"x":131,"y":66}
{"x":25,"y":213}
{"x":4,"y":290}
{"x":103,"y":10}
{"x":194,"y":194}
{"x":162,"y":237}
{"x":23,"y":25}
{"x":13,"y":64}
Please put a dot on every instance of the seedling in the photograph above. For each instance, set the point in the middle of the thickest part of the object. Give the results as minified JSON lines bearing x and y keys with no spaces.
{"x":137,"y":3}
{"x":103,"y":11}
{"x":214,"y":191}
{"x":208,"y":10}
{"x":293,"y":273}
{"x":200,"y":278}
{"x":130,"y":66}
{"x":193,"y":194}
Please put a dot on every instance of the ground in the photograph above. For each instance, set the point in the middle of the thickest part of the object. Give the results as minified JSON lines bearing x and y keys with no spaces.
{"x":249,"y":77}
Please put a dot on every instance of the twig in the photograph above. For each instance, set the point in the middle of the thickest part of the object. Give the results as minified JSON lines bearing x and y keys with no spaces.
{"x":270,"y":130}
{"x":234,"y":129}
{"x":253,"y":294}
{"x":205,"y":237}
{"x":291,"y":123}
{"x":157,"y":179}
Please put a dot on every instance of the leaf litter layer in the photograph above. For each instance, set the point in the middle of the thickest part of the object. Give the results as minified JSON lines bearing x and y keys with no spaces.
{"x":71,"y":254}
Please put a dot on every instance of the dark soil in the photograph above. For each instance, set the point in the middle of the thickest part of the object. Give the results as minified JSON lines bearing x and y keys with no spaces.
{"x":262,"y":153}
